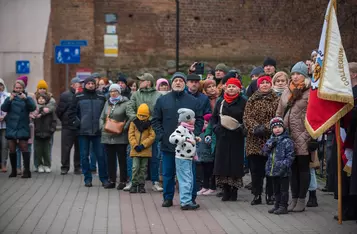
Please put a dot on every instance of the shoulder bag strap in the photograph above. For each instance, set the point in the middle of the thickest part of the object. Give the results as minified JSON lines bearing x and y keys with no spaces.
{"x":221,"y":108}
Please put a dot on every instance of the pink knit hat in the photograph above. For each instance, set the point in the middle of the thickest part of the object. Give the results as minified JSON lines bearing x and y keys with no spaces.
{"x":160,"y":81}
{"x":24,"y":79}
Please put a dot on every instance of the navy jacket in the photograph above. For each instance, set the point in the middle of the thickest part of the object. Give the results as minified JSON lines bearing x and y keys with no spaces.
{"x":280,"y":157}
{"x":85,"y":112}
{"x":204,"y":102}
{"x":165,"y":117}
{"x":17,"y":118}
{"x":63,"y":106}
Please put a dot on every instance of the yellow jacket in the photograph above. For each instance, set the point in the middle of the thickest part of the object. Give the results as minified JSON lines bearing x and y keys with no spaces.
{"x":146,"y":138}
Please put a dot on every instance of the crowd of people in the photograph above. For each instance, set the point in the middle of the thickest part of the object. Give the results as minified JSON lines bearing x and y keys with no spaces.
{"x":199,"y":132}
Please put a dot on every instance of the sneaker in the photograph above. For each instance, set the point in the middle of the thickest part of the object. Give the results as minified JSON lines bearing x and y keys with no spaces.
{"x":41,"y":169}
{"x":209,"y":192}
{"x":203,"y":190}
{"x":64,"y":171}
{"x":121,"y":186}
{"x":19,"y":171}
{"x":190,"y":207}
{"x":134,"y":189}
{"x":141,"y":188}
{"x":88,"y":184}
{"x":157,"y":188}
{"x":47,"y":169}
{"x":127,"y":187}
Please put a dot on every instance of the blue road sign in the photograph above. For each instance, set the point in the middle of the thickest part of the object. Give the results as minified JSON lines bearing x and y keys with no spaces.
{"x":22,"y":67}
{"x":74,"y":43}
{"x":67,"y":54}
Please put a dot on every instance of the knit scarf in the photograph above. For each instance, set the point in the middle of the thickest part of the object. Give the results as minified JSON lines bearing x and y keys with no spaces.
{"x":296,"y":91}
{"x":190,"y":127}
{"x":212,"y":99}
{"x":115,"y":100}
{"x":229,"y":99}
{"x":142,"y":125}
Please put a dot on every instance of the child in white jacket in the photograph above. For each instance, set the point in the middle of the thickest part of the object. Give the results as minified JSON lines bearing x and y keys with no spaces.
{"x":185,"y":152}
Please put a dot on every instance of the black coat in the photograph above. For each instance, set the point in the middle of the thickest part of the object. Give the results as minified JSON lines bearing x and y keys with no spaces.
{"x":62,"y":109}
{"x":229,"y":157}
{"x":45,"y":126}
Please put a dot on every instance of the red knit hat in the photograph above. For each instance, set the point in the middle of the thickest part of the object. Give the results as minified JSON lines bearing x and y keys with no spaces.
{"x":234,"y":81}
{"x":262,"y":78}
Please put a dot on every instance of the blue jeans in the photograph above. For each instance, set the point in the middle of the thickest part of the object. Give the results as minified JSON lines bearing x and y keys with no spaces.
{"x":84,"y":146}
{"x":18,"y":154}
{"x":168,"y":176}
{"x":129,"y":163}
{"x":93,"y":158}
{"x":313,"y":181}
{"x":184,"y":172}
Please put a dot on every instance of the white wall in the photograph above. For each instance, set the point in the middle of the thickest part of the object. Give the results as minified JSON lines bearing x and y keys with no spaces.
{"x":23,"y":32}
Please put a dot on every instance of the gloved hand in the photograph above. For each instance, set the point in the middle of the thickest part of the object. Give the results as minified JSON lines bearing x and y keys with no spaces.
{"x":312,"y":145}
{"x":208,"y":139}
{"x":139,"y":148}
{"x":259,"y":131}
{"x":273,"y":143}
{"x":216,"y":129}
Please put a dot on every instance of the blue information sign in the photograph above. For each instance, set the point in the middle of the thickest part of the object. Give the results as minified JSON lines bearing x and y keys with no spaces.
{"x":22,"y":67}
{"x":74,"y":43}
{"x":67,"y":54}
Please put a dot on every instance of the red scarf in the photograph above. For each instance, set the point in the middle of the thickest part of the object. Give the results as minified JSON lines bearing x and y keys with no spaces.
{"x":230,"y":99}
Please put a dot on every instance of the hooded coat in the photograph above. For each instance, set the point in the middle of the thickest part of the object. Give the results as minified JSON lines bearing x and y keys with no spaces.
{"x":3,"y":96}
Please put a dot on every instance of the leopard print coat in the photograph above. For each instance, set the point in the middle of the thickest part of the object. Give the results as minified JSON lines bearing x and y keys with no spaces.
{"x":260,"y":109}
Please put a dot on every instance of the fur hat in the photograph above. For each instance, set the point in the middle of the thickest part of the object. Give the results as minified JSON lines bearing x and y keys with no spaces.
{"x":185,"y":115}
{"x":276,"y":121}
{"x":42,"y":85}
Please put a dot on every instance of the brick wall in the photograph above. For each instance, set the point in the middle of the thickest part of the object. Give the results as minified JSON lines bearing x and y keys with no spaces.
{"x":237,"y":32}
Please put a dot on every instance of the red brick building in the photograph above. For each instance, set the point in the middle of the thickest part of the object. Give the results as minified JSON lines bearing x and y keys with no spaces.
{"x":237,"y":32}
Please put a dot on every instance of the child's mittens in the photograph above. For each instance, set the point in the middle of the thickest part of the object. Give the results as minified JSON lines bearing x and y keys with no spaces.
{"x":46,"y":110}
{"x":208,"y":139}
{"x":139,"y":148}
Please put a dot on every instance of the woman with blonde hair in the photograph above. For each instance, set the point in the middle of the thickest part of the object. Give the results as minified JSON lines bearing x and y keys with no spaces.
{"x":280,"y":82}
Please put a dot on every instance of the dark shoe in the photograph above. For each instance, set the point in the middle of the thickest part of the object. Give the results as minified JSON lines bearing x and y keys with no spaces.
{"x":167,"y":203}
{"x":64,"y":171}
{"x":133,"y":189}
{"x":88,"y":184}
{"x":234,"y":194}
{"x":226,"y":192}
{"x":281,"y":210}
{"x":121,"y":186}
{"x":269,"y":200}
{"x":256,"y":201}
{"x":220,"y":194}
{"x":249,"y":186}
{"x":13,"y":161}
{"x":312,"y":202}
{"x":190,"y":207}
{"x":109,"y":185}
{"x":77,"y":171}
{"x":26,"y":159}
{"x":142,"y":188}
{"x":272,"y":210}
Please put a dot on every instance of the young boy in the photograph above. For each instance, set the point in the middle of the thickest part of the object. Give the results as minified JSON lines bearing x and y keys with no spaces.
{"x":141,"y":137}
{"x":280,"y":151}
{"x":185,"y":151}
{"x":45,"y":126}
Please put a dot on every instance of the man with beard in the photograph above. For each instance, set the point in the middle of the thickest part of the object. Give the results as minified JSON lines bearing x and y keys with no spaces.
{"x":165,"y":121}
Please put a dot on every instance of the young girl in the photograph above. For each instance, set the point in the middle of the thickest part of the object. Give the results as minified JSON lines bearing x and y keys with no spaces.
{"x":162,"y":85}
{"x":206,"y":157}
{"x":141,"y":137}
{"x":185,"y":151}
{"x":45,"y":126}
{"x":280,"y":151}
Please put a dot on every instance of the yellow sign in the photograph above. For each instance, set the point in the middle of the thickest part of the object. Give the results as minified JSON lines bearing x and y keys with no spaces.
{"x":111,"y":45}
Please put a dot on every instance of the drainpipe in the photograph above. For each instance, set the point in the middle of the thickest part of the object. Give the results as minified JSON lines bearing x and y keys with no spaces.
{"x":177,"y":33}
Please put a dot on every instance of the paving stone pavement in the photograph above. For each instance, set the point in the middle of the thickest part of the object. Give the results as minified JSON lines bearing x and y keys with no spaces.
{"x":51,"y":203}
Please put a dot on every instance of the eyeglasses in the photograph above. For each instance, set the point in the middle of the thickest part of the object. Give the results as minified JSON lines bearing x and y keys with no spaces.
{"x":113,"y":91}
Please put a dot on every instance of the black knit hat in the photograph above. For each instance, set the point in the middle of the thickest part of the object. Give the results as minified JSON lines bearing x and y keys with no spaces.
{"x":269,"y":61}
{"x":89,"y":79}
{"x":122,"y":78}
{"x":276,"y":121}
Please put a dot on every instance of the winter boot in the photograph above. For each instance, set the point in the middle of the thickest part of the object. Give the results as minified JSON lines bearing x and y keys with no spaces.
{"x":134,"y":189}
{"x":292,"y":204}
{"x":13,"y":161}
{"x":141,"y":188}
{"x":257,"y":200}
{"x":26,"y":159}
{"x":269,"y":200}
{"x":234,"y":194}
{"x":300,"y":205}
{"x":281,"y":210}
{"x":312,"y":202}
{"x":276,"y":207}
{"x":226,"y":192}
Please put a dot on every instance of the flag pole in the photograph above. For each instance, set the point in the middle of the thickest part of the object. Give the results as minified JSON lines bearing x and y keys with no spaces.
{"x":339,"y":171}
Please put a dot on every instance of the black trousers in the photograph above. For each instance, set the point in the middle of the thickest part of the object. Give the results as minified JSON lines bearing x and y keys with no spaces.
{"x":300,"y":176}
{"x":113,"y":152}
{"x":257,"y":170}
{"x":281,"y":191}
{"x":68,"y":139}
{"x":209,"y":181}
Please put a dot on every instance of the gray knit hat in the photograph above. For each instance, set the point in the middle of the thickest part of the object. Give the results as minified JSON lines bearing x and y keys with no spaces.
{"x":257,"y":71}
{"x":178,"y":75}
{"x":185,"y":115}
{"x":222,"y":67}
{"x":300,"y":68}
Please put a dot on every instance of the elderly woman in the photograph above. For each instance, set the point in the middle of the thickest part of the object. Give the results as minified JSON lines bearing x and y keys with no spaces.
{"x":18,"y":107}
{"x":260,"y":109}
{"x":115,"y":142}
{"x":280,"y":82}
{"x":229,"y":155}
{"x":292,"y":108}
